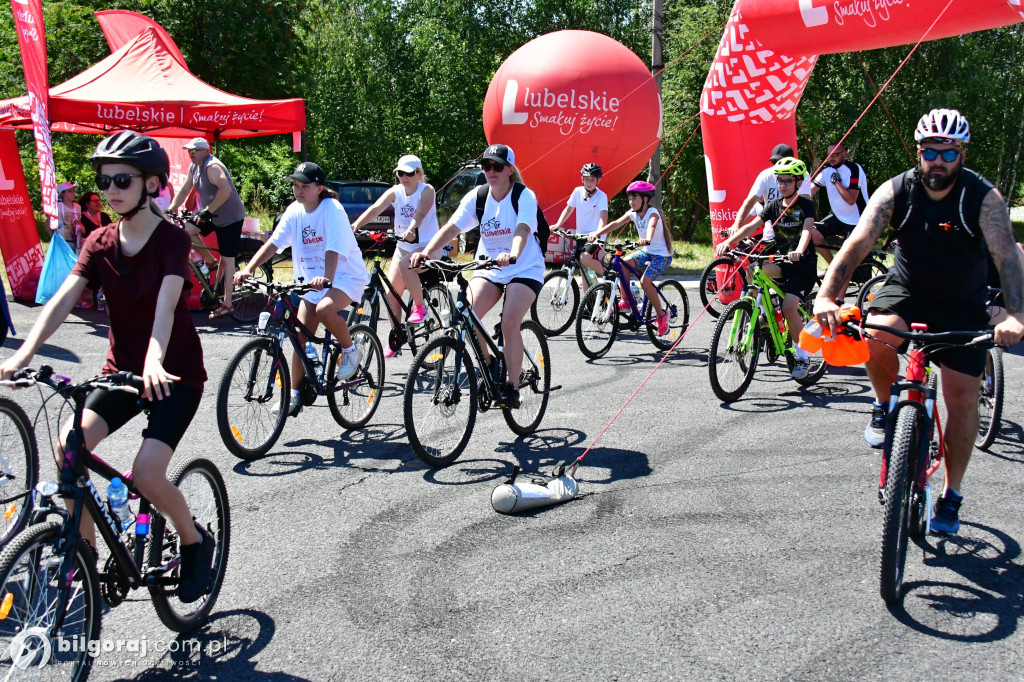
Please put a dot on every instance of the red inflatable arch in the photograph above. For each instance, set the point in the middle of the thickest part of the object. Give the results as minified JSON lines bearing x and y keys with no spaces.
{"x":757,"y":77}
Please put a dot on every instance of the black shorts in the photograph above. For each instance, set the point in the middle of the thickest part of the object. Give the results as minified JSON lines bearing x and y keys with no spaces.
{"x":168,"y":418}
{"x":894,"y":298}
{"x":593,"y":247}
{"x":533,"y":284}
{"x":832,"y":226}
{"x":797,"y":282}
{"x":229,"y":239}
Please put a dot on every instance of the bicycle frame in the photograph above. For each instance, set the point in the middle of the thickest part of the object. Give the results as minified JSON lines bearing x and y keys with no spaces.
{"x":762,"y":284}
{"x":286,"y":315}
{"x":615,"y":272}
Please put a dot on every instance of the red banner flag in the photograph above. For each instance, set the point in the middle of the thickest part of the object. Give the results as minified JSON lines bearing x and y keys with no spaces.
{"x":28,"y":22}
{"x":19,"y":241}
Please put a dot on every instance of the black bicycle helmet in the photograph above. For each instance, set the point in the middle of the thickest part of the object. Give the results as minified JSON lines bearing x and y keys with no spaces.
{"x":591,"y":170}
{"x":133,"y":149}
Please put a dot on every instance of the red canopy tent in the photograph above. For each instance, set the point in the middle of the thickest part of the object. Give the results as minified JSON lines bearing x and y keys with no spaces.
{"x":145,"y":86}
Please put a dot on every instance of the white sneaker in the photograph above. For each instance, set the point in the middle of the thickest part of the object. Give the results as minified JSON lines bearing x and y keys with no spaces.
{"x":801,"y":366}
{"x":294,"y":407}
{"x":349,"y":363}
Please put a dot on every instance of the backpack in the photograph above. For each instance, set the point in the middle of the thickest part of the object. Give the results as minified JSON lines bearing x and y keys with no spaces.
{"x":543,"y":229}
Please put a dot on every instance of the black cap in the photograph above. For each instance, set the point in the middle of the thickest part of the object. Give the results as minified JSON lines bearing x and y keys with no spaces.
{"x":307,"y":172}
{"x":500,"y":153}
{"x":781,"y":151}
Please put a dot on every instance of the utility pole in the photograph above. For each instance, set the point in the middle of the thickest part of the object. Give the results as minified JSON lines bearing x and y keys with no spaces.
{"x":656,"y":67}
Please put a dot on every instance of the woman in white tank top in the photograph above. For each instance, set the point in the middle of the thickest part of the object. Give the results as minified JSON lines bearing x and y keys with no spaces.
{"x":415,"y":225}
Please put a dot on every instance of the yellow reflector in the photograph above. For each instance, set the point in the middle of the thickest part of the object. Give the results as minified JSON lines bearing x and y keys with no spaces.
{"x":9,"y":514}
{"x":359,"y":312}
{"x":5,"y":607}
{"x":540,"y":360}
{"x":674,"y":334}
{"x":435,"y":357}
{"x":370,"y":399}
{"x":277,"y":380}
{"x":236,"y":433}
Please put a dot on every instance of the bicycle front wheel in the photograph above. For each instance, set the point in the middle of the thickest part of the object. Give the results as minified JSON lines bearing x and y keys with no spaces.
{"x":19,"y":468}
{"x":557,"y":303}
{"x":440,"y":403}
{"x":899,"y":485}
{"x":30,"y":587}
{"x":867,"y":293}
{"x":252,"y":402}
{"x":722,"y":281}
{"x":990,"y":399}
{"x":203,"y":487}
{"x":597,"y":322}
{"x":354,"y":401}
{"x":735,"y":345}
{"x":534,"y":382}
{"x":675,"y":303}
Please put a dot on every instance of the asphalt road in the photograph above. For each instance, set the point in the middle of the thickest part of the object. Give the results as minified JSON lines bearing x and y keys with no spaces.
{"x":708,"y":542}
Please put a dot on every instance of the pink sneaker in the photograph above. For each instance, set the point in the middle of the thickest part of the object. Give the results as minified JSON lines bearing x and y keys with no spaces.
{"x":623,"y":305}
{"x":663,"y":325}
{"x":389,"y":352}
{"x":418,"y":314}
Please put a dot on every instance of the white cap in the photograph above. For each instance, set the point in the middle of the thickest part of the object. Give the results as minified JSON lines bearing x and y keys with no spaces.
{"x":197,"y":143}
{"x":409,"y":163}
{"x":65,"y":186}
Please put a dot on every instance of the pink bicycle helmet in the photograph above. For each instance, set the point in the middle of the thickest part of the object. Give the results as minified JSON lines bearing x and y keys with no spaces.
{"x":641,"y":187}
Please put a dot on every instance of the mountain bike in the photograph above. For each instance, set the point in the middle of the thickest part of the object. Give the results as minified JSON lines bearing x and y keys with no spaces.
{"x":436,"y":298}
{"x":246,"y":304}
{"x":19,"y":468}
{"x":51,"y":590}
{"x":914,"y":446}
{"x":597,"y":323}
{"x":556,"y":305}
{"x":750,"y":324}
{"x":442,"y":395}
{"x":726,"y":278}
{"x":254,"y":394}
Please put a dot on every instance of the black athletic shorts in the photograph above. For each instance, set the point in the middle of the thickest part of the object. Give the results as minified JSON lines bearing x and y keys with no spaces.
{"x":894,"y":297}
{"x":832,"y":226}
{"x":533,"y":284}
{"x":797,"y":282}
{"x":229,"y":239}
{"x":168,"y":418}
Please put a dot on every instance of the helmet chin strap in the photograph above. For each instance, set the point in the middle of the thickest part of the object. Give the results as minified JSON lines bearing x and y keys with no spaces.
{"x":143,"y":200}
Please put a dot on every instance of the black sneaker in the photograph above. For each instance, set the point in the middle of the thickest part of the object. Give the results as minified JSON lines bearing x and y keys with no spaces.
{"x":196,"y":564}
{"x":509,"y":396}
{"x":946,"y":514}
{"x":874,"y":434}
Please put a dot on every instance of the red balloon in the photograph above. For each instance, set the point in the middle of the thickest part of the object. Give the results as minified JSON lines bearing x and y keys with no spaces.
{"x":569,"y":98}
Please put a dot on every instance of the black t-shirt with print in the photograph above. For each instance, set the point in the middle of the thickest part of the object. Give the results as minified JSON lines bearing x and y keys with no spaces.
{"x":790,"y":226}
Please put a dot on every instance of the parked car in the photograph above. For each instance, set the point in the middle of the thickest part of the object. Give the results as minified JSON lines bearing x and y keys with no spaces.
{"x":465,"y":180}
{"x":357,"y":196}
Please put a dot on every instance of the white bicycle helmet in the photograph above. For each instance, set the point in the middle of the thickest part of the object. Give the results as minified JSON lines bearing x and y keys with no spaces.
{"x":948,"y":124}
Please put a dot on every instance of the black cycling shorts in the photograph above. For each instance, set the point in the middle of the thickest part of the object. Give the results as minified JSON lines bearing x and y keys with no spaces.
{"x":593,"y":247}
{"x":797,"y":282}
{"x":533,"y":284}
{"x":168,"y":418}
{"x":894,"y":298}
{"x":229,"y":239}
{"x":832,"y":226}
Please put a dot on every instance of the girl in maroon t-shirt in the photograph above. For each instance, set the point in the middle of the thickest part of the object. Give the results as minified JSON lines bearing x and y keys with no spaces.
{"x":141,"y":263}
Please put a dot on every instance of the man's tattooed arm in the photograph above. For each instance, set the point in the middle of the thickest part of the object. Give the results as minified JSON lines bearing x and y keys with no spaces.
{"x":1002,"y":247}
{"x":869,"y":228}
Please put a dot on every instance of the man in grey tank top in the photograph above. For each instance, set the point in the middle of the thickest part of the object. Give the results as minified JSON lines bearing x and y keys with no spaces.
{"x":221,"y":206}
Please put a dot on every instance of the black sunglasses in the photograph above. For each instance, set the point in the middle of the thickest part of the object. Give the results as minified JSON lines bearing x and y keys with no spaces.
{"x":948,"y":155}
{"x":404,"y":174}
{"x":492,"y":166}
{"x":121,"y":180}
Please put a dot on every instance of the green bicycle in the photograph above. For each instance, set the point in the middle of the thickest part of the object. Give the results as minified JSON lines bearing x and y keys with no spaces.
{"x":749,"y":324}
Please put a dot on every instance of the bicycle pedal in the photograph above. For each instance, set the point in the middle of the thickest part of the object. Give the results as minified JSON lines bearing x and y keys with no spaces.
{"x":554,"y":388}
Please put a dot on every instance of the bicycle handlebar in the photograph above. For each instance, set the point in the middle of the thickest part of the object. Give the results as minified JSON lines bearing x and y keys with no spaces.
{"x":957,"y":338}
{"x":273,"y":288}
{"x":118,"y":381}
{"x":483,"y":263}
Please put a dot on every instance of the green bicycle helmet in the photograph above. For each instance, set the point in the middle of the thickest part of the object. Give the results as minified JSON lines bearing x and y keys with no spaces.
{"x":790,"y":166}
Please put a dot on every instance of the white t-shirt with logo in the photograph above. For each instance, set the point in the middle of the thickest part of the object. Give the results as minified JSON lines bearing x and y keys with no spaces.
{"x":310,"y":236}
{"x":497,"y":230}
{"x":767,"y":188}
{"x":847,"y":213}
{"x":588,"y":209}
{"x":405,"y":210}
{"x":658,"y":245}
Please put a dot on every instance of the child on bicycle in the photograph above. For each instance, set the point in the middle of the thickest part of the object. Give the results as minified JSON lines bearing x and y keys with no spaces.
{"x":316,"y":228}
{"x":655,"y":240}
{"x":793,"y":217}
{"x":415,"y":226}
{"x":141,"y":263}
{"x":591,"y":206}
{"x":505,"y":236}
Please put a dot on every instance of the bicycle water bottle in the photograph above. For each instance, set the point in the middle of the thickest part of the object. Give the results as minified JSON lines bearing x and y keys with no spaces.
{"x":638,"y":293}
{"x":117,"y":500}
{"x":311,"y":353}
{"x":200,"y":263}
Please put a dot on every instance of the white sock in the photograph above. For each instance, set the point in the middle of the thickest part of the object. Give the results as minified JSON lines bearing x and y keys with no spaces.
{"x":801,"y":354}
{"x":350,"y":349}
